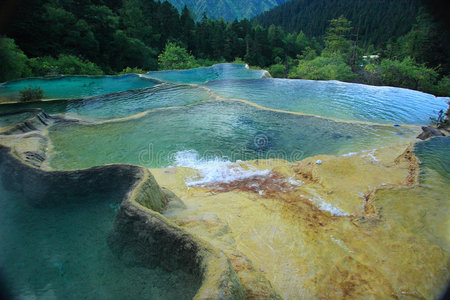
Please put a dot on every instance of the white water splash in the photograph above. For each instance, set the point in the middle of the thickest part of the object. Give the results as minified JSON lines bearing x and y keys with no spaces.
{"x":325,"y":206}
{"x":214,"y":170}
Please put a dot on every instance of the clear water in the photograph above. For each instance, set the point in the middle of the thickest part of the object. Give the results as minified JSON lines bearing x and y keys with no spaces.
{"x":121,"y":104}
{"x":75,"y":86}
{"x":428,"y":203}
{"x":228,"y":129}
{"x":419,"y":219}
{"x":334,"y":99}
{"x":201,"y":75}
{"x":61,"y":253}
{"x":10,"y":119}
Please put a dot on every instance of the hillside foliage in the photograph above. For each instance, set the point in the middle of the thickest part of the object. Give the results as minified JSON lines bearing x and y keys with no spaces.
{"x":51,"y":37}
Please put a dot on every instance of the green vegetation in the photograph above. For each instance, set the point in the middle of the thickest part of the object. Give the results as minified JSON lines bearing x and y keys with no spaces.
{"x":330,"y":67}
{"x":443,"y":119}
{"x":376,"y":22}
{"x":31,"y":93}
{"x":12,"y":60}
{"x":129,"y":70}
{"x":277,"y":70}
{"x":406,"y":73}
{"x":64,"y":64}
{"x":176,"y":58}
{"x":116,"y":37}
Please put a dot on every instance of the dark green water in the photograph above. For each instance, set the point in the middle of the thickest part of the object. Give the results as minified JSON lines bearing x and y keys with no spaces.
{"x":61,"y":253}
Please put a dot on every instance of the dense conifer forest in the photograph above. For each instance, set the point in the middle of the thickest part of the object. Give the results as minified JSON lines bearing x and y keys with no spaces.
{"x":398,"y":43}
{"x":375,"y":22}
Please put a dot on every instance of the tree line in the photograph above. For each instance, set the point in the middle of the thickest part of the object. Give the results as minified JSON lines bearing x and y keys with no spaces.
{"x":49,"y":37}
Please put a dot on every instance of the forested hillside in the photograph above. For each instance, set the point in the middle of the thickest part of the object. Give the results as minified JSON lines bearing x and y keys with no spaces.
{"x":227,"y":9}
{"x":51,"y":37}
{"x":375,"y":22}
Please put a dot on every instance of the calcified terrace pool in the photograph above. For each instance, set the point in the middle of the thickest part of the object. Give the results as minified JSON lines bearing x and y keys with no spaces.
{"x":271,"y":188}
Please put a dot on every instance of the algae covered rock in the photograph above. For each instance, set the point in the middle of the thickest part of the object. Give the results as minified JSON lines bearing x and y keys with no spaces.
{"x":140,"y":235}
{"x":429,"y":132}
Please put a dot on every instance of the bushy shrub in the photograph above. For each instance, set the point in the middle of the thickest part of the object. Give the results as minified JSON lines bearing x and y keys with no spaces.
{"x":330,"y":67}
{"x":238,"y":60}
{"x":408,"y":74}
{"x":176,"y":58}
{"x":443,"y":87}
{"x":135,"y":70}
{"x":443,"y":119}
{"x":63,"y":65}
{"x":31,"y":93}
{"x":13,"y":62}
{"x":277,"y":71}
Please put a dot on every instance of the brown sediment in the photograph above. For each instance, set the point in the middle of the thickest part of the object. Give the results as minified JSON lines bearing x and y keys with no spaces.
{"x":357,"y":284}
{"x":276,"y":186}
{"x":306,"y":252}
{"x":269,"y":185}
{"x":413,"y":165}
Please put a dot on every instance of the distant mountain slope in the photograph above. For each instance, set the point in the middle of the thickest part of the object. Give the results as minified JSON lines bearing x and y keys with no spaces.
{"x":378,"y":21}
{"x":228,"y":9}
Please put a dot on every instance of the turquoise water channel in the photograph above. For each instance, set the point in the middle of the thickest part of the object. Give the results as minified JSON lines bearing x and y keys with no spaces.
{"x":75,"y":86}
{"x":62,"y":253}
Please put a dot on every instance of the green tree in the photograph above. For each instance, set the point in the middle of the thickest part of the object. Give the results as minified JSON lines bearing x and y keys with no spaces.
{"x":443,"y":88}
{"x":131,"y":52}
{"x":336,"y":38}
{"x":301,"y":41}
{"x":175,"y":57}
{"x":330,"y":67}
{"x":13,"y":61}
{"x":64,"y":64}
{"x":277,"y":70}
{"x":407,"y":73}
{"x":188,"y":27}
{"x":73,"y":65}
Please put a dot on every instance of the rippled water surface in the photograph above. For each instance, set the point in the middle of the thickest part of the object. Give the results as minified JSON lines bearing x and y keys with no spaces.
{"x":121,"y":104}
{"x":215,"y":129}
{"x":75,"y":86}
{"x":200,"y":75}
{"x":10,"y":119}
{"x":334,"y":99}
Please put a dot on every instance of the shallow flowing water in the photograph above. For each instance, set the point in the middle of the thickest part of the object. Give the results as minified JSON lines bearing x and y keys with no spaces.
{"x":335,"y":99}
{"x":224,"y":129}
{"x":75,"y":86}
{"x":201,"y":75}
